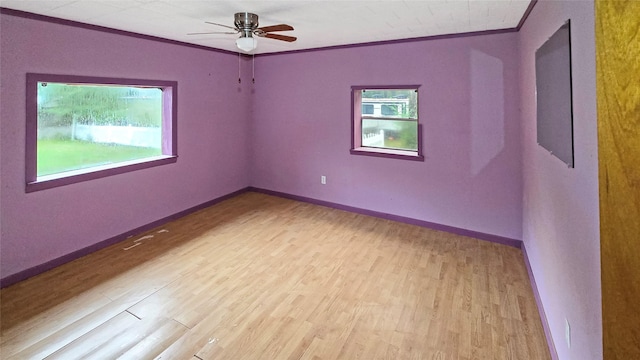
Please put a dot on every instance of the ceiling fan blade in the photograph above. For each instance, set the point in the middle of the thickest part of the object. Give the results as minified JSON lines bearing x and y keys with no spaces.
{"x":280,"y":37}
{"x":272,"y":28}
{"x":209,"y":33}
{"x":230,"y":27}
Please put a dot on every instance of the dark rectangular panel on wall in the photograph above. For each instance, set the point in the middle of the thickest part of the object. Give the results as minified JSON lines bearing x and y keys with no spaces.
{"x":554,"y":95}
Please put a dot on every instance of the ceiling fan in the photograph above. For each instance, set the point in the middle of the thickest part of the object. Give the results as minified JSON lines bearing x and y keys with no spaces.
{"x":246,"y":24}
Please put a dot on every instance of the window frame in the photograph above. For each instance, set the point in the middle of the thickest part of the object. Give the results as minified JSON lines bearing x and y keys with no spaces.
{"x":169,"y":131}
{"x":356,"y":126}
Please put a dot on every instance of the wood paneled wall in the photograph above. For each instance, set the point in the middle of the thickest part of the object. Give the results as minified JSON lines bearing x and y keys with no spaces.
{"x":618,"y":91}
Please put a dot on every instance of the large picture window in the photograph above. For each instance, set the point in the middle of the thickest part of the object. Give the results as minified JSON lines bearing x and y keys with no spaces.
{"x":81,"y":128}
{"x":385,"y":121}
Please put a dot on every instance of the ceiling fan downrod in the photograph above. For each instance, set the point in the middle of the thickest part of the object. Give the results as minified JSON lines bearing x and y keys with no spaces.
{"x":246,"y":22}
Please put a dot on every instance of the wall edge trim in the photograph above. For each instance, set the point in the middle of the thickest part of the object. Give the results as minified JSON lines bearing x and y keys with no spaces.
{"x":38,"y":269}
{"x":394,"y":41}
{"x":526,"y":14}
{"x":543,"y":316}
{"x":87,"y":26}
{"x":34,"y":16}
{"x":403,"y":219}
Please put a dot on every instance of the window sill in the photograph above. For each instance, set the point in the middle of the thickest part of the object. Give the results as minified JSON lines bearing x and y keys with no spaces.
{"x":97,"y":172}
{"x":388,"y":153}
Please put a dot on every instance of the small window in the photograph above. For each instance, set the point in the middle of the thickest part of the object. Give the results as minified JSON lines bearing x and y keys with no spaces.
{"x":82,"y":128}
{"x":385,"y":122}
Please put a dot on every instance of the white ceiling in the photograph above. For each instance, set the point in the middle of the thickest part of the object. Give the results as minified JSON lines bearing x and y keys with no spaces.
{"x":317,"y":23}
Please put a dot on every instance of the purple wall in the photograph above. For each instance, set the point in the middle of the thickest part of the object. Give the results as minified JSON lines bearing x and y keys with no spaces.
{"x":560,"y":204}
{"x":213,"y":149}
{"x":471,"y":176}
{"x":293,"y":126}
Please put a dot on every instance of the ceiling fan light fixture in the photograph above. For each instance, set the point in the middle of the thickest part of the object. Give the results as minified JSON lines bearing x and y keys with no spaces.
{"x":247,"y":43}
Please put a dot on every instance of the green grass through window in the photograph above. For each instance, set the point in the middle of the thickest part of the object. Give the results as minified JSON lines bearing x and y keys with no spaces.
{"x":56,"y":156}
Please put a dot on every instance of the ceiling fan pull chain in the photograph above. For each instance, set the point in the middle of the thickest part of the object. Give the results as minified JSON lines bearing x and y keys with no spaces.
{"x":253,"y":68}
{"x":239,"y":80}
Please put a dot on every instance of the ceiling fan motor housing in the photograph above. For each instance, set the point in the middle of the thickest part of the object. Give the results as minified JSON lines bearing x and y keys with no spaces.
{"x":246,"y":22}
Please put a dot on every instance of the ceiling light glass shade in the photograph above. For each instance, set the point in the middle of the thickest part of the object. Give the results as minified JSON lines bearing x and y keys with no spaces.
{"x":246,"y":44}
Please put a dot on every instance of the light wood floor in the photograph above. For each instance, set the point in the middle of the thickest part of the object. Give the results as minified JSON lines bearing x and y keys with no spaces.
{"x":260,"y":277}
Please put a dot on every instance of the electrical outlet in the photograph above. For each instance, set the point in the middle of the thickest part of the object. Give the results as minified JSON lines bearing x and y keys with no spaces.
{"x":567,"y":332}
{"x":323,"y":180}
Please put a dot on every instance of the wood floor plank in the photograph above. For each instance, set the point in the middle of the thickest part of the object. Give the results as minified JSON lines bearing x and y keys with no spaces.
{"x":18,"y":334}
{"x":123,"y":337}
{"x":258,"y":276}
{"x":162,"y":334}
{"x":100,"y":342}
{"x":59,"y":333}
